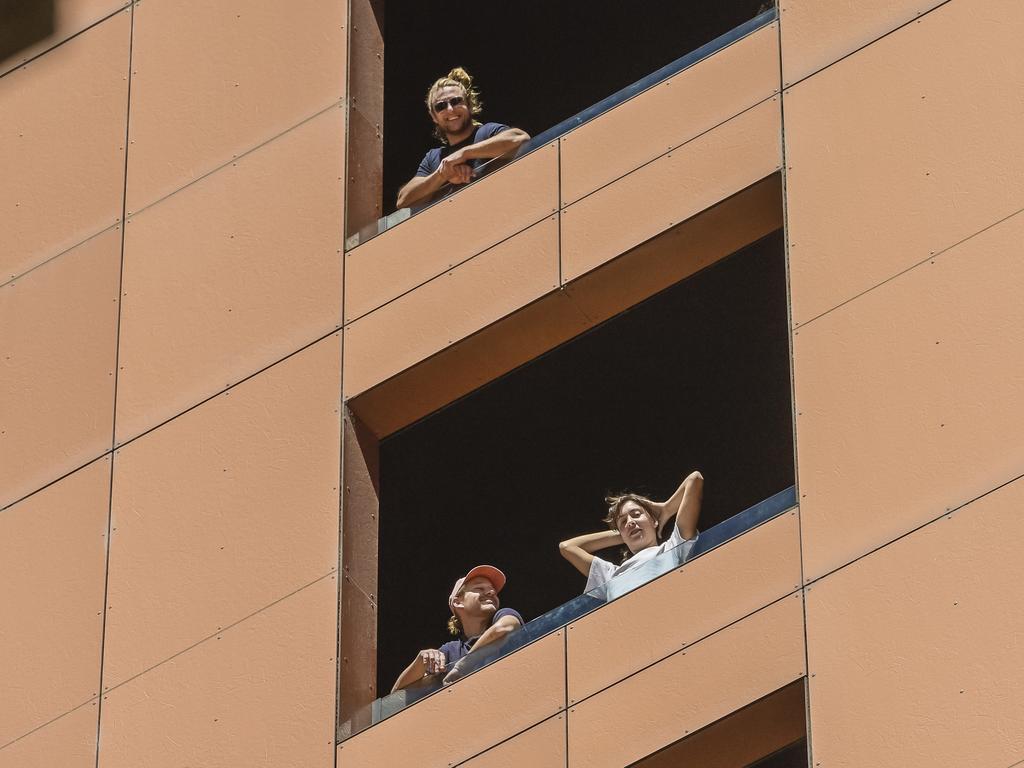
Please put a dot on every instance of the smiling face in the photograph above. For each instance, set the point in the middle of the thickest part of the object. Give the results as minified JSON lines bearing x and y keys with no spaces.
{"x":454,"y":120}
{"x":477,"y":598}
{"x":637,"y":527}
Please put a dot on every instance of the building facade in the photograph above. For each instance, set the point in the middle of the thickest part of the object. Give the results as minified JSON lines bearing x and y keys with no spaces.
{"x":198,"y":371}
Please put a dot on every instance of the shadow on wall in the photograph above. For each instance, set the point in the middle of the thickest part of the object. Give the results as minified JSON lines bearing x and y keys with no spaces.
{"x":24,"y":24}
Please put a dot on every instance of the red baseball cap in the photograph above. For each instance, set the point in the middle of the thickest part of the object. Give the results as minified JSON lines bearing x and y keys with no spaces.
{"x":489,"y":572}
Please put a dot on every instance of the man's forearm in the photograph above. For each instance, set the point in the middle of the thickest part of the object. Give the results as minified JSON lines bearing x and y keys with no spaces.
{"x":419,"y":188}
{"x":498,"y":145}
{"x":504,"y":626}
{"x":409,"y":675}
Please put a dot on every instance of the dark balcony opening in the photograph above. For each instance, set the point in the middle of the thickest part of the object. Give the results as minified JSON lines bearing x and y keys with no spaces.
{"x":768,"y":733}
{"x":536,"y":63}
{"x":793,"y":756}
{"x":25,"y":24}
{"x":696,"y":376}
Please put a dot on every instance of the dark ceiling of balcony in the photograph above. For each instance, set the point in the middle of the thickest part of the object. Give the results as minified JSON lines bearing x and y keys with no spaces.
{"x":696,"y":377}
{"x":536,"y":63}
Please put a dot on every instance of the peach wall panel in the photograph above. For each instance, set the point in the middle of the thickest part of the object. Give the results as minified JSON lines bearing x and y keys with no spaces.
{"x":915,"y":649}
{"x":59,"y":347}
{"x":742,"y":738}
{"x":671,"y":189}
{"x":681,"y":251}
{"x":671,"y":113}
{"x":451,"y":231}
{"x":689,"y":690}
{"x":359,"y":548}
{"x":498,"y":702}
{"x":909,"y":399}
{"x":62,"y":186}
{"x":921,"y":151}
{"x":542,"y":746}
{"x":213,"y":80}
{"x":463,"y":367}
{"x":816,"y":33}
{"x":259,"y":695}
{"x":224,"y":510}
{"x":358,"y":649}
{"x":231,"y":274}
{"x":69,"y":742}
{"x":451,"y":307}
{"x":52,"y":567}
{"x":712,"y":591}
{"x":70,"y":17}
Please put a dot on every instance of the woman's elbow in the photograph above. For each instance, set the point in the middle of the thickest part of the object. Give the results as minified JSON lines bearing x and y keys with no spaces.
{"x":695,"y":478}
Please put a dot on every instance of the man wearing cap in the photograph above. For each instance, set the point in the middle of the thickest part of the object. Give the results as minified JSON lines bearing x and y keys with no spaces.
{"x":477,"y":621}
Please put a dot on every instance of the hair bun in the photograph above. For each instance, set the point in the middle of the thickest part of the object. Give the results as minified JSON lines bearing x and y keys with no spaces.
{"x":461,"y":76}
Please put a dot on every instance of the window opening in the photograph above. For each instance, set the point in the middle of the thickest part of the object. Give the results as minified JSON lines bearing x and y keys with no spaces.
{"x":538,"y":70}
{"x":696,"y":377}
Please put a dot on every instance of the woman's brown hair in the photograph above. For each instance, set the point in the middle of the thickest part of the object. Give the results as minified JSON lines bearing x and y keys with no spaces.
{"x":617,"y":502}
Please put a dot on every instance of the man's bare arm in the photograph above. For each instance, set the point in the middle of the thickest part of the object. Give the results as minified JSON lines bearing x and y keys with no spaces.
{"x":496,"y":146}
{"x":499,"y":630}
{"x":420,"y":188}
{"x":427,"y":662}
{"x":455,"y":168}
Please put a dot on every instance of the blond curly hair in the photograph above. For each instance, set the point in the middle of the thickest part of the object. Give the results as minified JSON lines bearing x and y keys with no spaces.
{"x":459,"y":78}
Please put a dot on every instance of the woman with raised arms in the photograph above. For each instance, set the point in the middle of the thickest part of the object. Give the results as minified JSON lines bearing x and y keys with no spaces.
{"x":637,"y":521}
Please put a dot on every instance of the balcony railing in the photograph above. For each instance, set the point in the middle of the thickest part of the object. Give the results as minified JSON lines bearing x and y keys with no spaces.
{"x":555,"y":619}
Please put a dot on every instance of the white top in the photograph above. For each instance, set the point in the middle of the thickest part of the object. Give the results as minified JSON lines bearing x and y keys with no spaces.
{"x":619,"y":579}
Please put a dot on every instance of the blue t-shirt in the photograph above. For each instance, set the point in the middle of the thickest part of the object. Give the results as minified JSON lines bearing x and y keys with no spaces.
{"x":432,"y":159}
{"x":454,"y":650}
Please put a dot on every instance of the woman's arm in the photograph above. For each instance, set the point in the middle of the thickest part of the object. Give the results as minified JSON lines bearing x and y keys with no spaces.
{"x":579,"y":550}
{"x":684,"y":504}
{"x":689,"y":505}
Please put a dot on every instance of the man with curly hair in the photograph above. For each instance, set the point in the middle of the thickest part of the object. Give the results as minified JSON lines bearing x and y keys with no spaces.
{"x":466,"y":143}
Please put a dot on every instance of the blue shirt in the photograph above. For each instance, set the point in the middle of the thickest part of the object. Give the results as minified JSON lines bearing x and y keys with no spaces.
{"x":454,"y":650}
{"x":433,"y":158}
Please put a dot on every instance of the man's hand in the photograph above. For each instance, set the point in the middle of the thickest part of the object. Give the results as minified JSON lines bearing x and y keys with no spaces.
{"x":455,"y":673}
{"x":454,"y":169}
{"x":432,"y":661}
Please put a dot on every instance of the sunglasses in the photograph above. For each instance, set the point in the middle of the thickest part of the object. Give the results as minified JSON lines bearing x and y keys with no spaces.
{"x":453,"y":102}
